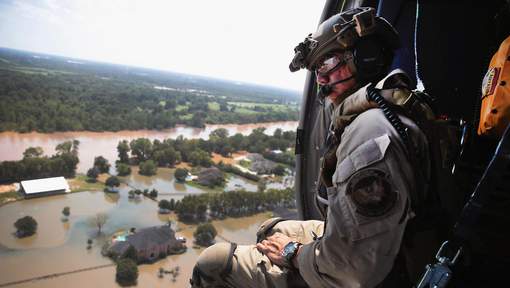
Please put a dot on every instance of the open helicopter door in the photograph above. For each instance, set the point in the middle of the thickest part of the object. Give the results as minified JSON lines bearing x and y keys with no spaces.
{"x":445,"y":49}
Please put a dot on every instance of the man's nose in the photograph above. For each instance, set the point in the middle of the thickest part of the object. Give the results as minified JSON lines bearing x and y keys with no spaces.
{"x":322,"y":80}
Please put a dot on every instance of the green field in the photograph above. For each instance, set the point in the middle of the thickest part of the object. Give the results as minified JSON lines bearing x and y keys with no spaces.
{"x":213,"y":106}
{"x":252,"y":105}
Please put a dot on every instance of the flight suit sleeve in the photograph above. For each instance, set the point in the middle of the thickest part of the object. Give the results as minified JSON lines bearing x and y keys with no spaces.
{"x":368,"y":210}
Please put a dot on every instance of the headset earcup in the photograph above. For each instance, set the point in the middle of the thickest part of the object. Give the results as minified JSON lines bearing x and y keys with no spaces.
{"x":369,"y":59}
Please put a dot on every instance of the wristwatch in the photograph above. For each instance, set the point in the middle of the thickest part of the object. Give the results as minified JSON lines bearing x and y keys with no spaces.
{"x":289,"y":252}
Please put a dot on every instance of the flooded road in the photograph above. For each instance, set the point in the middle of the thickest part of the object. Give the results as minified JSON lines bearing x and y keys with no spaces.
{"x":93,"y":144}
{"x":60,"y":247}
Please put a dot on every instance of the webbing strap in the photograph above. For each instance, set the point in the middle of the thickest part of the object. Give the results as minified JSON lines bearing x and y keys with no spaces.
{"x":228,"y":268}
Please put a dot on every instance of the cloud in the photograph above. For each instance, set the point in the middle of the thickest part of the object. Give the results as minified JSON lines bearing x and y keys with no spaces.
{"x":249,"y":41}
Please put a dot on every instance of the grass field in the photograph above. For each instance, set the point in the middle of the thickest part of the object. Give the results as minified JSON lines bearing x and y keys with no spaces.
{"x":9,"y":196}
{"x":213,"y":106}
{"x":251,"y":105}
{"x":181,"y":107}
{"x":79,"y":184}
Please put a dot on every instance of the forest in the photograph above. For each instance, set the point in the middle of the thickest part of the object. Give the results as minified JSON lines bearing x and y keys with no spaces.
{"x":51,"y":93}
{"x":35,"y":165}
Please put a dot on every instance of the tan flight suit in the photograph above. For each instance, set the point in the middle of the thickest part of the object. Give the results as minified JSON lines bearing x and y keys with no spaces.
{"x":364,"y":231}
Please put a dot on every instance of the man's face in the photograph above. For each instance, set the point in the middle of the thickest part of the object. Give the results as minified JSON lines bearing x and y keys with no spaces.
{"x":333,"y":69}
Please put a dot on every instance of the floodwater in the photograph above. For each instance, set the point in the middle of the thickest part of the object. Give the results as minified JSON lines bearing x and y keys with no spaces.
{"x":93,"y":144}
{"x":168,"y":188}
{"x":60,"y":247}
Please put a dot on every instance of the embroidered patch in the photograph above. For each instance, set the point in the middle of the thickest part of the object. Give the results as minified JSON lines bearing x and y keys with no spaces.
{"x":371,"y":193}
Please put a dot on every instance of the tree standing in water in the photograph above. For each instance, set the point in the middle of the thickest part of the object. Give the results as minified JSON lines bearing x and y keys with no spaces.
{"x":99,"y":220}
{"x":66,"y":212}
{"x":26,"y":226}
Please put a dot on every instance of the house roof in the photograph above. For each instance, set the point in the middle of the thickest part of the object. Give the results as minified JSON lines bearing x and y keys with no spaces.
{"x":147,"y":237}
{"x":209,"y":175}
{"x":45,"y":185}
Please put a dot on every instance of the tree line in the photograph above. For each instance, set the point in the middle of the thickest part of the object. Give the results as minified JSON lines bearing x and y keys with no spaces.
{"x":35,"y":165}
{"x":198,"y":151}
{"x":48,"y":102}
{"x":200,"y":208}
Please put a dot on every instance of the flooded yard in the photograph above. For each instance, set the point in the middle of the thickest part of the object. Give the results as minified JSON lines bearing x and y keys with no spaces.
{"x":60,"y":247}
{"x":58,"y":252}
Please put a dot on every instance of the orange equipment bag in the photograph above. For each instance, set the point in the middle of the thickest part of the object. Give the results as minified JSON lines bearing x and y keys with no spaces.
{"x":495,"y":111}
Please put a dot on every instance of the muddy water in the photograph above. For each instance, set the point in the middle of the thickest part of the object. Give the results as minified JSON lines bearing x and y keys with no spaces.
{"x":61,"y":246}
{"x":92,"y":144}
{"x":168,"y":188}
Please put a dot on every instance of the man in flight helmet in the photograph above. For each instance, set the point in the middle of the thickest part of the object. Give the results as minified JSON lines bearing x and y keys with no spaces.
{"x":369,"y":173}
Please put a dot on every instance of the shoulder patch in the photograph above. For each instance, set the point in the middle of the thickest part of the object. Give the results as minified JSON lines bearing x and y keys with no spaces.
{"x":368,"y":153}
{"x":371,"y":192}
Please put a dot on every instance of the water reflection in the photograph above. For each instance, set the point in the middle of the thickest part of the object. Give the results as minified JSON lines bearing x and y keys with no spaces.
{"x":236,"y":183}
{"x":169,"y":188}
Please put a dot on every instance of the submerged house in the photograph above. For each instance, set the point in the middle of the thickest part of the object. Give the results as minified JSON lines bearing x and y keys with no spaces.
{"x":44,"y":187}
{"x":150,"y":243}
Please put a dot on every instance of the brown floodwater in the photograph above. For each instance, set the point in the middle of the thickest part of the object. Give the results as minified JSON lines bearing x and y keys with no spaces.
{"x":168,"y":188}
{"x":59,"y":246}
{"x":92,"y":144}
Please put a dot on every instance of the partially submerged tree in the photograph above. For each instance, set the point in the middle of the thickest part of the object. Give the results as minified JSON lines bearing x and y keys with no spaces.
{"x":148,"y":168}
{"x":127,"y":272}
{"x":123,"y":169}
{"x":123,"y":150}
{"x":26,"y":226}
{"x":153,"y":194}
{"x":99,"y":220}
{"x":102,"y":164}
{"x":164,"y":204}
{"x":112,"y":181}
{"x":180,"y":174}
{"x":205,"y":234}
{"x":66,"y":212}
{"x":92,"y":174}
{"x":32,"y":152}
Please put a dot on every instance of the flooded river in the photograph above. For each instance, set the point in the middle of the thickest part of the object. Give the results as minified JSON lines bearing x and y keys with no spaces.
{"x":92,"y":144}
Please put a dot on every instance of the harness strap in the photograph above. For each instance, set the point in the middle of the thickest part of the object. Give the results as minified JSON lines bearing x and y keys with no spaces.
{"x":228,"y":269}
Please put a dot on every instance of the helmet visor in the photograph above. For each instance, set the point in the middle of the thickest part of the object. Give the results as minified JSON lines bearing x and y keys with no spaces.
{"x":329,"y":64}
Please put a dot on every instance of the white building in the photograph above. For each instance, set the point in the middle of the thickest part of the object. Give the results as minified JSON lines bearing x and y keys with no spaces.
{"x":44,"y":187}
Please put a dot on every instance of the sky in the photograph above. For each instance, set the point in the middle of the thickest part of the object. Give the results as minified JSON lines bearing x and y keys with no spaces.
{"x":245,"y":41}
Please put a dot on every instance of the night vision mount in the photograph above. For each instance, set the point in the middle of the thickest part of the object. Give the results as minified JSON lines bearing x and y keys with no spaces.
{"x":340,"y":32}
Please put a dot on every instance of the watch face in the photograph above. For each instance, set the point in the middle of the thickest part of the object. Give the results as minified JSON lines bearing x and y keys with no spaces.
{"x":289,"y":249}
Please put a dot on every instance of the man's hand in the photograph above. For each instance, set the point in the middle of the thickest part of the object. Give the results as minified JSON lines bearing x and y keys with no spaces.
{"x":273,"y":246}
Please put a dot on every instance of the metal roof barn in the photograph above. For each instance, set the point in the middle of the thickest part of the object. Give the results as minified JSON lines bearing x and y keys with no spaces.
{"x":44,"y":186}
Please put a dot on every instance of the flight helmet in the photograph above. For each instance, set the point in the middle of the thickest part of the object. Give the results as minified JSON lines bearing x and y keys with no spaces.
{"x":367,"y":43}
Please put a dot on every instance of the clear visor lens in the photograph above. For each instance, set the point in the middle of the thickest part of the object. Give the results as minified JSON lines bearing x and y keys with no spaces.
{"x":328,"y":64}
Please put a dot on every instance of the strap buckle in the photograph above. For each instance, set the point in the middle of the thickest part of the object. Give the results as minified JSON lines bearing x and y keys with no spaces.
{"x":438,"y":275}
